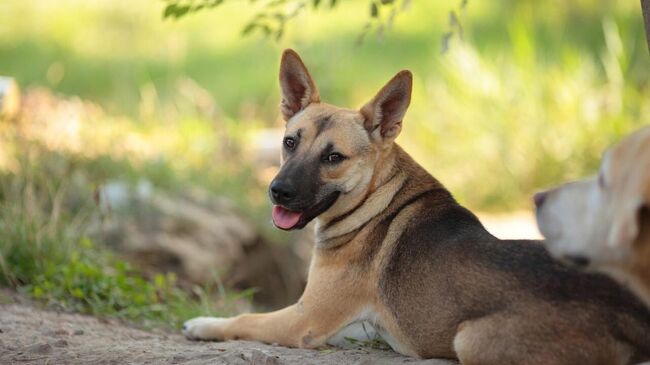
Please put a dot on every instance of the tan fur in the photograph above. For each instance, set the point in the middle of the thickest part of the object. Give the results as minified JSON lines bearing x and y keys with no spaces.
{"x":396,"y":250}
{"x":608,"y":230}
{"x":319,"y":315}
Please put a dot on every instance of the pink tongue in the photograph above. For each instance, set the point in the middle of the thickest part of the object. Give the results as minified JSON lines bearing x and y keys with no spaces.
{"x":283,"y":218}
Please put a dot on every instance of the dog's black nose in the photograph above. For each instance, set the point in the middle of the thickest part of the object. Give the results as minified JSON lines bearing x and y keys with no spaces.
{"x":539,"y":198}
{"x":282,"y":192}
{"x":578,"y":260}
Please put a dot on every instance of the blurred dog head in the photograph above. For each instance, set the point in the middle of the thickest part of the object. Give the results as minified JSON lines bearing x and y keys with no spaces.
{"x":330,"y":155}
{"x":603,"y":222}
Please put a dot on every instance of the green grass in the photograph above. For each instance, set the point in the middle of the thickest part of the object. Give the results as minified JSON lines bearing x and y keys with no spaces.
{"x":45,"y":253}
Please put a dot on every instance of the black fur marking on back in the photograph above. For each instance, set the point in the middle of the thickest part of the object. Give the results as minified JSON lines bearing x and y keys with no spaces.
{"x":378,"y":234}
{"x":475,"y":274}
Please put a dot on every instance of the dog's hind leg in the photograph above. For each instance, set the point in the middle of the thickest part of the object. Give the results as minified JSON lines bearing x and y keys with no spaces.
{"x":509,"y":338}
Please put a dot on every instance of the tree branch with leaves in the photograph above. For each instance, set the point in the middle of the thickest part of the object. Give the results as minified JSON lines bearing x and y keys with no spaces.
{"x":273,"y":15}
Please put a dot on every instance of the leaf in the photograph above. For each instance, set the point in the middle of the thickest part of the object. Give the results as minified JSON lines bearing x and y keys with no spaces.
{"x":170,"y":10}
{"x":182,"y":10}
{"x":386,"y":2}
{"x":453,"y":19}
{"x":333,"y":3}
{"x":248,"y":28}
{"x":266,"y":29}
{"x":363,"y":33}
{"x":374,"y":10}
{"x":37,"y":292}
{"x":77,"y":293}
{"x":315,"y":3}
{"x":445,"y":42}
{"x":159,"y":281}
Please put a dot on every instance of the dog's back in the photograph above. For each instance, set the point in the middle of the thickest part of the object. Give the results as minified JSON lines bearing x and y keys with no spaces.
{"x":445,"y":259}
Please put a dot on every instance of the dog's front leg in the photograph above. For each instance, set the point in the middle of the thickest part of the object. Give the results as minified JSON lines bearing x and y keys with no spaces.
{"x":307,"y":324}
{"x":291,"y":326}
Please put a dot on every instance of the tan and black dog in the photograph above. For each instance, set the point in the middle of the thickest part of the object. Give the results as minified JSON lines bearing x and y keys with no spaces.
{"x":603,"y":223}
{"x":394,"y":248}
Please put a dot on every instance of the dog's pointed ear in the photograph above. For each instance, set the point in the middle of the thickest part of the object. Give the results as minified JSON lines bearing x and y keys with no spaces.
{"x":384,"y":113}
{"x":298,"y":88}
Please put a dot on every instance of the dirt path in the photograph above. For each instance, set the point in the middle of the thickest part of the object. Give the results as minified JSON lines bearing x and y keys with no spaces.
{"x":32,"y":336}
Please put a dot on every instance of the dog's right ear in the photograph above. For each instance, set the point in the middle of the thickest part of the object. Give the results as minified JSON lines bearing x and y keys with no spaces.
{"x":298,"y":88}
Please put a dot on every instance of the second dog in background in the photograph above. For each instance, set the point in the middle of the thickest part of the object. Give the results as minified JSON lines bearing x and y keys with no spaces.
{"x":603,"y":223}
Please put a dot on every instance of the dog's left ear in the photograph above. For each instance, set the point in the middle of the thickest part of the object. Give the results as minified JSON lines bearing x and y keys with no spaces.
{"x":298,"y":88}
{"x":384,"y":113}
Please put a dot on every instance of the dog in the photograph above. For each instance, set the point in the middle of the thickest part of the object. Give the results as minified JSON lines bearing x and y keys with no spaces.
{"x":603,"y":223}
{"x":394,"y":248}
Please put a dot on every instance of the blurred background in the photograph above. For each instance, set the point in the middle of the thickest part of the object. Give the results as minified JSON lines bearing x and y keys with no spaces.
{"x":134,"y":169}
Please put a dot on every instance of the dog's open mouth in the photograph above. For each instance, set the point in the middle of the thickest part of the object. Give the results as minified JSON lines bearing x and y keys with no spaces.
{"x":284,"y":218}
{"x":288,"y":219}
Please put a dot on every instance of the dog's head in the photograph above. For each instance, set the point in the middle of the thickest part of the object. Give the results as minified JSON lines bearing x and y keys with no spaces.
{"x":601,"y":221}
{"x":329,"y":154}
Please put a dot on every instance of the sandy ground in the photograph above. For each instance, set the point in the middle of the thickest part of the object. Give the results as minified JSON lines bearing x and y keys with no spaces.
{"x":32,"y":336}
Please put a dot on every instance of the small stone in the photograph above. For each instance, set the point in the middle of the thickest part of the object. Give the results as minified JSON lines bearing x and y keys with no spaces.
{"x":61,"y":343}
{"x":39,"y":348}
{"x":59,"y":332}
{"x":176,"y":359}
{"x":260,"y":358}
{"x":78,"y":332}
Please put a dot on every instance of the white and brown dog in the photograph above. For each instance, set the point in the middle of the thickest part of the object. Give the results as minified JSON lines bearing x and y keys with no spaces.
{"x":603,"y":223}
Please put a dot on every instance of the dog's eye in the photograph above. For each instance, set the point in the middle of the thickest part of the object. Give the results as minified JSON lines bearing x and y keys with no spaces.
{"x":334,"y":157}
{"x":290,"y":143}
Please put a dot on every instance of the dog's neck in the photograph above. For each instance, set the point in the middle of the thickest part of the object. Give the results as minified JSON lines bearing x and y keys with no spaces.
{"x":392,"y":174}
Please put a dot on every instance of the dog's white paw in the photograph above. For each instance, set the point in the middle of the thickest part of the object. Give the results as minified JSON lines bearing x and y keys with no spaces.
{"x":205,"y":328}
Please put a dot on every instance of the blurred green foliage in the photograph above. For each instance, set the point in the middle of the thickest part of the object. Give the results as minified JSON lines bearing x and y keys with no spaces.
{"x":529,"y":97}
{"x":44,"y":252}
{"x":273,"y":16}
